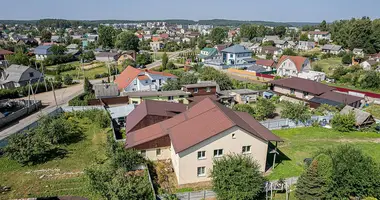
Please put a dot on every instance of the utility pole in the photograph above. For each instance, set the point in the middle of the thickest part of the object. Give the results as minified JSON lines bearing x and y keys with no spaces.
{"x":109,"y":69}
{"x":42,"y":66}
{"x":55,"y":98}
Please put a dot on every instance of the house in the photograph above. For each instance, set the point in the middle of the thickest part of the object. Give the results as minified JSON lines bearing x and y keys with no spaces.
{"x":358,"y":52}
{"x":292,"y":65}
{"x":300,"y":88}
{"x":221,"y":47}
{"x":207,"y":53}
{"x":305,"y":45}
{"x":247,"y":45}
{"x":150,"y":112}
{"x":156,"y":46}
{"x":201,"y":88}
{"x":337,"y":99}
{"x":107,"y":57}
{"x":176,"y":96}
{"x":90,"y":37}
{"x":256,"y":68}
{"x":236,"y":55}
{"x":270,"y":38}
{"x":105,"y":90}
{"x":4,"y":53}
{"x":362,"y":118}
{"x":119,"y":113}
{"x":241,"y":96}
{"x":367,"y":65}
{"x":127,"y":55}
{"x":42,"y":52}
{"x":268,"y":50}
{"x":17,"y":76}
{"x":206,"y":131}
{"x":72,"y":47}
{"x":269,"y":64}
{"x":282,"y":44}
{"x":132,"y":79}
{"x":331,"y":48}
{"x":319,"y":35}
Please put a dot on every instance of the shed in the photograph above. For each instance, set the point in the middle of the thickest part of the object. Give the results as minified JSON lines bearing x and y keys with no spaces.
{"x":106,"y":90}
{"x":362,"y":118}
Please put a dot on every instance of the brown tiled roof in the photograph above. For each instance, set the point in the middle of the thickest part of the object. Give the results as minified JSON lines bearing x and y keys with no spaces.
{"x":5,"y":52}
{"x":201,"y":122}
{"x":340,"y":97}
{"x":143,"y":77}
{"x":297,"y":60}
{"x":269,"y":63}
{"x":150,"y":107}
{"x":303,"y":85}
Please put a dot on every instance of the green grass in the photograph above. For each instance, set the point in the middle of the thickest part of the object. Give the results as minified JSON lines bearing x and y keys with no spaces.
{"x":349,"y":86}
{"x":374,"y":110}
{"x":301,"y":143}
{"x":52,"y":67}
{"x":89,"y":73}
{"x":65,"y":176}
{"x":328,"y":64}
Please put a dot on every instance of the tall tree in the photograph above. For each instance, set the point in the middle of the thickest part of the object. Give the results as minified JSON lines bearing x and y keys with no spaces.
{"x":296,"y":111}
{"x":264,"y":108}
{"x":127,"y":41}
{"x":58,"y":49}
{"x":304,"y":37}
{"x":201,"y":44}
{"x":218,"y":35}
{"x":279,"y":30}
{"x":248,"y":31}
{"x":106,"y":36}
{"x":165,"y":60}
{"x":323,"y":26}
{"x":19,"y":58}
{"x":46,"y":36}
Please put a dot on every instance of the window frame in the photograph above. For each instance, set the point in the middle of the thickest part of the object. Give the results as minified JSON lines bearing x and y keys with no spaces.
{"x":143,"y":153}
{"x":203,"y":170}
{"x":203,"y":155}
{"x":158,"y":152}
{"x":244,"y":149}
{"x":196,"y":90}
{"x":217,"y":153}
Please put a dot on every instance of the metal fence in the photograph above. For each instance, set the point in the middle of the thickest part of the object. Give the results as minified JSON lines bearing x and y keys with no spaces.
{"x":274,"y":124}
{"x":193,"y":195}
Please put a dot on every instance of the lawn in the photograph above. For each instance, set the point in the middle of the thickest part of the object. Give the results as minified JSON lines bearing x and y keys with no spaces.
{"x":301,"y":143}
{"x":52,"y":67}
{"x":60,"y":176}
{"x":328,"y":64}
{"x":374,"y":110}
{"x":89,"y":73}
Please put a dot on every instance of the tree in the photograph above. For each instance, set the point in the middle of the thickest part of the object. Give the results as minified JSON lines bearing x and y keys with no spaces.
{"x":165,"y":60}
{"x":171,"y":84}
{"x":248,"y":31}
{"x":316,"y":181}
{"x":19,"y":58}
{"x":304,"y":37}
{"x":106,"y":36}
{"x":347,"y":59}
{"x":264,"y":108}
{"x":211,"y":74}
{"x":68,"y":80}
{"x":143,"y":59}
{"x":87,"y":56}
{"x":127,"y":41}
{"x":289,"y":52}
{"x":323,"y":26}
{"x":322,"y":42}
{"x":236,"y":177}
{"x":188,"y":78}
{"x":58,"y":50}
{"x":369,"y":79}
{"x":279,"y":30}
{"x":343,"y":122}
{"x":201,"y":43}
{"x":46,"y":36}
{"x":317,"y":68}
{"x":269,"y":43}
{"x":170,"y":65}
{"x":218,"y":35}
{"x":87,"y":86}
{"x":298,"y":112}
{"x":244,"y":108}
{"x":269,"y":56}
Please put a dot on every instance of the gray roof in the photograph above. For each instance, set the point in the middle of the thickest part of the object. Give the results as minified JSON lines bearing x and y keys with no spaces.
{"x":14,"y":73}
{"x":256,"y":68}
{"x":281,"y":42}
{"x":106,"y":54}
{"x":271,"y":37}
{"x":361,"y":117}
{"x":357,"y":50}
{"x":236,"y":49}
{"x":120,"y":111}
{"x":249,"y":60}
{"x":238,"y":91}
{"x":306,"y":43}
{"x":332,"y":47}
{"x":43,"y":50}
{"x":72,"y":46}
{"x":104,"y":90}
{"x":201,"y":84}
{"x":156,"y":93}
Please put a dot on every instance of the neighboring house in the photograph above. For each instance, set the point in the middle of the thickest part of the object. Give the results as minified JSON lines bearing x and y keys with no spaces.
{"x":367,"y":65}
{"x":150,"y":112}
{"x":282,"y":44}
{"x":72,"y":47}
{"x":270,"y":38}
{"x":305,"y":45}
{"x":247,"y":45}
{"x":337,"y":99}
{"x":362,"y":118}
{"x":132,"y":79}
{"x":3,"y":54}
{"x":331,"y":48}
{"x":201,"y":88}
{"x":42,"y":52}
{"x":358,"y":52}
{"x":269,"y":64}
{"x":207,"y":53}
{"x":241,"y":96}
{"x":128,"y":55}
{"x":268,"y":50}
{"x":91,"y":37}
{"x":105,"y":90}
{"x":257,"y":68}
{"x":221,"y":47}
{"x":204,"y":132}
{"x":18,"y":75}
{"x":236,"y":54}
{"x":292,"y":65}
{"x":319,"y":35}
{"x":156,"y":46}
{"x":176,"y":96}
{"x":107,"y":57}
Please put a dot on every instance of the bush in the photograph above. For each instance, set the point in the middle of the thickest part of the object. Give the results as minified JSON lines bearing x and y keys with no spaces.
{"x":296,"y":111}
{"x":23,"y":91}
{"x":317,"y":68}
{"x":82,"y":99}
{"x":347,"y":59}
{"x":68,"y":80}
{"x":343,"y":122}
{"x":244,"y":108}
{"x":326,"y":56}
{"x":59,"y":59}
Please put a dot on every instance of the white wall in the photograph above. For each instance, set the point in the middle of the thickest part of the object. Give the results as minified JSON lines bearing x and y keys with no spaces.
{"x":151,"y":154}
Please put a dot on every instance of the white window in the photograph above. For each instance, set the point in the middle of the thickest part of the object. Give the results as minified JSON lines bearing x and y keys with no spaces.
{"x":218,"y":152}
{"x":158,"y":152}
{"x":195,"y":90}
{"x":201,"y":171}
{"x":246,"y":149}
{"x":201,"y":155}
{"x":208,"y":89}
{"x":143,"y":153}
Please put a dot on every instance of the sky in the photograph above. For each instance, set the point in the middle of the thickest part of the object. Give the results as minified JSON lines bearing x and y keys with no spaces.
{"x":260,"y":10}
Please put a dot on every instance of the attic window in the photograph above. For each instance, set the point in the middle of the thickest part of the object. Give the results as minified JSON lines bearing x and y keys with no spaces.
{"x":233,"y":136}
{"x":31,"y":74}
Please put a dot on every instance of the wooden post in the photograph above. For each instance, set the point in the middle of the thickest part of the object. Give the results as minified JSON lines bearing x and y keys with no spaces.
{"x":274,"y":156}
{"x":55,"y":98}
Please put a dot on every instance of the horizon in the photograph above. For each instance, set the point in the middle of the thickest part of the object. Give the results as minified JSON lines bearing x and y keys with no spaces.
{"x":96,"y":10}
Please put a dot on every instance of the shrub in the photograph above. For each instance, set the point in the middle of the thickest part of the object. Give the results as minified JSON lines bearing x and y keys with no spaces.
{"x":343,"y":122}
{"x":326,"y":56}
{"x":68,"y":80}
{"x":244,"y":108}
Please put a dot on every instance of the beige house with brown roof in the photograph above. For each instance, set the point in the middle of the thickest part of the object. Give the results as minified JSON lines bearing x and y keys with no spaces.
{"x":194,"y":138}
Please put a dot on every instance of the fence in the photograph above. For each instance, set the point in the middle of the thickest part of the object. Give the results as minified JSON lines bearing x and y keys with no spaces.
{"x":29,"y":107}
{"x":275,"y":124}
{"x":193,"y":195}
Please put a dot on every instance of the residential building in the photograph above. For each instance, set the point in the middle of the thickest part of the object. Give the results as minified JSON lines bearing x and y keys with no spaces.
{"x":241,"y":96}
{"x":268,"y":64}
{"x":305,"y":45}
{"x":270,"y":38}
{"x":337,"y":99}
{"x":72,"y":47}
{"x":319,"y":35}
{"x":235,"y":55}
{"x":156,"y":46}
{"x":257,"y":68}
{"x":176,"y":96}
{"x":207,"y":53}
{"x":105,"y":90}
{"x":358,"y":52}
{"x":107,"y":57}
{"x":132,"y":79}
{"x":204,"y":132}
{"x":333,"y":49}
{"x":282,"y":44}
{"x":150,"y":112}
{"x":127,"y":55}
{"x":18,"y":75}
{"x":3,"y":54}
{"x":292,"y":65}
{"x":201,"y":88}
{"x":262,"y":51}
{"x":42,"y":52}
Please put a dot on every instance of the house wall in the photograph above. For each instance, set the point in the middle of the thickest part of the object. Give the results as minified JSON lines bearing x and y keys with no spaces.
{"x":201,"y":91}
{"x":175,"y":162}
{"x":147,"y":121}
{"x":286,"y":91}
{"x":288,"y":68}
{"x":150,"y":154}
{"x":236,"y":58}
{"x":188,"y":161}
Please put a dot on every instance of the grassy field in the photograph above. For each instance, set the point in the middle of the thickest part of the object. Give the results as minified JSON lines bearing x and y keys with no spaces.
{"x":89,"y":73}
{"x":60,"y":176}
{"x":328,"y":64}
{"x":302,"y":143}
{"x":374,"y":110}
{"x":52,"y":67}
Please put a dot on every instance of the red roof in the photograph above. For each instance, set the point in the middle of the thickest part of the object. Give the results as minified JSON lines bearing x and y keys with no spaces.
{"x":303,"y":85}
{"x":297,"y":60}
{"x":201,"y":122}
{"x":154,"y":108}
{"x":5,"y":52}
{"x":268,"y":63}
{"x":143,"y":77}
{"x":164,"y":35}
{"x":161,"y":73}
{"x":156,"y":39}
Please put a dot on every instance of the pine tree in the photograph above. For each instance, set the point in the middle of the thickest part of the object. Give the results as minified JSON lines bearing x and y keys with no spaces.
{"x":87,"y":86}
